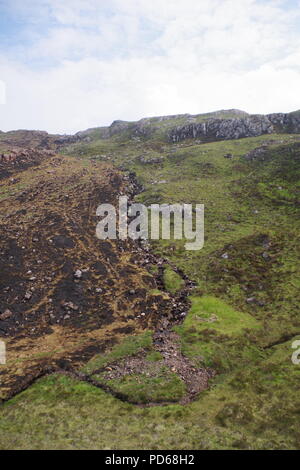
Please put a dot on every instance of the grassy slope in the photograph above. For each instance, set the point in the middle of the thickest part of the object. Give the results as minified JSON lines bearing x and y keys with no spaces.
{"x":253,"y":402}
{"x":257,"y":408}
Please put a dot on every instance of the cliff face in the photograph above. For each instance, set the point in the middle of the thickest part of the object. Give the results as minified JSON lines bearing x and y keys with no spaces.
{"x":286,"y":122}
{"x":221,"y":125}
{"x":236,"y":128}
{"x":157,"y":127}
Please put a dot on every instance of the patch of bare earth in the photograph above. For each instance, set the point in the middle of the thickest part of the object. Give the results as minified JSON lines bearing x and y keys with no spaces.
{"x":167,"y":343}
{"x":196,"y":379}
{"x":65,"y":295}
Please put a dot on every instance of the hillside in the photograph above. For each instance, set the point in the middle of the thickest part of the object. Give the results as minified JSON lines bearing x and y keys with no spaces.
{"x":101,"y":334}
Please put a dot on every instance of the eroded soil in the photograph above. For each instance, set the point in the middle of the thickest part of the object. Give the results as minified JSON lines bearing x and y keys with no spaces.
{"x":65,"y":295}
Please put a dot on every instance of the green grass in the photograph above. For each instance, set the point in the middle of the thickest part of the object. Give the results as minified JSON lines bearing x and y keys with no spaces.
{"x":154,"y":356}
{"x":143,"y":387}
{"x":252,"y":408}
{"x":172,"y":281}
{"x":165,"y":387}
{"x":214,"y":334}
{"x":208,"y":311}
{"x":253,"y":402}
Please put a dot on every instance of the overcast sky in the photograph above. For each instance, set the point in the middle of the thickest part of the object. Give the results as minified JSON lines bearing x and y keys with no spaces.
{"x":67,"y":65}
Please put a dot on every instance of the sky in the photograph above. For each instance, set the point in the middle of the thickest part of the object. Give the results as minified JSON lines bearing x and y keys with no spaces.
{"x":70,"y":65}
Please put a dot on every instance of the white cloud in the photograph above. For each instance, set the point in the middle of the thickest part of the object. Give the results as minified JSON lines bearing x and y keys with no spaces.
{"x":2,"y":92}
{"x":139,"y":58}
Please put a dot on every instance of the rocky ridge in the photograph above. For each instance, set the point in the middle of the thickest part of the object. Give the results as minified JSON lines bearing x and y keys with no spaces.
{"x":219,"y":125}
{"x":237,"y":128}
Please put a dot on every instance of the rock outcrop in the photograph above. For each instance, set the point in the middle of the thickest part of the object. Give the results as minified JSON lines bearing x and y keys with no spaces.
{"x":219,"y":125}
{"x":257,"y":153}
{"x":17,"y":156}
{"x":219,"y":129}
{"x":237,"y":128}
{"x":285,"y":122}
{"x":35,"y":139}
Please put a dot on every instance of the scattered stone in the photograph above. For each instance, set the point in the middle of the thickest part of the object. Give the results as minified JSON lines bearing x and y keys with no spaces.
{"x":78,"y":274}
{"x":257,"y":153}
{"x":71,"y":306}
{"x":213,"y":318}
{"x":151,"y":160}
{"x":6,"y":315}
